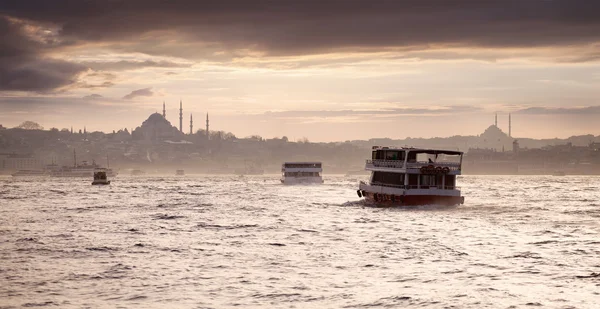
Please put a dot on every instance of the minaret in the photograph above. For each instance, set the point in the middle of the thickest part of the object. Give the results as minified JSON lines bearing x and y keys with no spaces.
{"x":180,"y":116}
{"x":496,"y":123}
{"x":207,"y":135}
{"x":191,"y":125}
{"x":509,"y":126}
{"x":164,"y":111}
{"x":71,"y":129}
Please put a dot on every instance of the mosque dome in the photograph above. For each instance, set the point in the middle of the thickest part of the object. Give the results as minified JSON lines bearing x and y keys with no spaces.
{"x":156,"y":127}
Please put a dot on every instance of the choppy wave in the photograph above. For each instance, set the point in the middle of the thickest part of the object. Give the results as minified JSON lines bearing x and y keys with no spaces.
{"x":224,"y":242}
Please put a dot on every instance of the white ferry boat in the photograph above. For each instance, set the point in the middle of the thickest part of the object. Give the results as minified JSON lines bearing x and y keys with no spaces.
{"x":82,"y":170}
{"x":36,"y":173}
{"x":30,"y":173}
{"x":411,"y":176}
{"x":301,"y":173}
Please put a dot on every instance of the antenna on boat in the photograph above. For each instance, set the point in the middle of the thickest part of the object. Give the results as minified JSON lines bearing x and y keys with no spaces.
{"x":107,"y":164}
{"x":74,"y":158}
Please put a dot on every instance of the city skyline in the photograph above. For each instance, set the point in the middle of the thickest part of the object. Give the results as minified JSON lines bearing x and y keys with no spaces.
{"x":329,"y":72}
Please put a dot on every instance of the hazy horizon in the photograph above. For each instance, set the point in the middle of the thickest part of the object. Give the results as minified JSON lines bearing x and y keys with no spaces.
{"x":327,"y":71}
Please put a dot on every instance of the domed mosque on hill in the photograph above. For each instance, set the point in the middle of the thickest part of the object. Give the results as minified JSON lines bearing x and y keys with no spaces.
{"x":494,"y":138}
{"x":158,"y":128}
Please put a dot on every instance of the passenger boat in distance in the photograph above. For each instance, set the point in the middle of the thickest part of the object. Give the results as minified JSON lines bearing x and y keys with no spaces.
{"x":179,"y":172}
{"x":412,"y":177}
{"x":301,"y":173}
{"x":100,"y":177}
{"x":82,"y":170}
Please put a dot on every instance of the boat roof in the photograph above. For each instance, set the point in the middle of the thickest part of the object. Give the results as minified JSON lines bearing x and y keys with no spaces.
{"x":420,"y":150}
{"x":301,"y":162}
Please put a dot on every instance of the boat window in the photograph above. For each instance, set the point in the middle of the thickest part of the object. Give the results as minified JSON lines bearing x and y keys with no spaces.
{"x":301,"y":174}
{"x":450,"y":180}
{"x":302,"y":165}
{"x":394,"y":155}
{"x":428,"y":181}
{"x":388,"y":178}
{"x":413,"y":180}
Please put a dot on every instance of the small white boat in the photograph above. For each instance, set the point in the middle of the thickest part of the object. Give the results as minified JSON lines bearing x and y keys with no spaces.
{"x":301,"y":173}
{"x":100,"y":177}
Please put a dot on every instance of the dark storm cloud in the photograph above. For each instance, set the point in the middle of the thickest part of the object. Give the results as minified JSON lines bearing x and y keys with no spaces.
{"x":145,"y":92}
{"x":225,"y":29}
{"x":294,"y":27}
{"x":23,"y":66}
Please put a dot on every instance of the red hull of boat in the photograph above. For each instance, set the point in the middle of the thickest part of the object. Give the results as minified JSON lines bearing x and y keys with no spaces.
{"x":413,"y":200}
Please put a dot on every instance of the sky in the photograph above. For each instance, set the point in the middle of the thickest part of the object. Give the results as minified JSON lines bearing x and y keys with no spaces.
{"x":324,"y":70}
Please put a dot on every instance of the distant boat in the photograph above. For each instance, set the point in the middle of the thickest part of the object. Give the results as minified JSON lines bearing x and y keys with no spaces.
{"x":301,"y":173}
{"x":100,"y":177}
{"x":179,"y":172}
{"x":80,"y":170}
{"x":30,"y":173}
{"x":36,"y":173}
{"x":558,"y":173}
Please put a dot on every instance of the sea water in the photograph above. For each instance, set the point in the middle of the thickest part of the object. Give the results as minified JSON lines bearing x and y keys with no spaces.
{"x":250,"y":242}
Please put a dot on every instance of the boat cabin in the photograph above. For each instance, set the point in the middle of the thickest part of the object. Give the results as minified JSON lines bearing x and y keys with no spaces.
{"x":412,"y":168}
{"x":412,"y":176}
{"x":301,"y":169}
{"x":304,"y":172}
{"x":100,"y":177}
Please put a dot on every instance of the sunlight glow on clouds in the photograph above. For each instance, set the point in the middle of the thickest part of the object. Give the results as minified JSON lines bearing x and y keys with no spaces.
{"x":352,"y":67}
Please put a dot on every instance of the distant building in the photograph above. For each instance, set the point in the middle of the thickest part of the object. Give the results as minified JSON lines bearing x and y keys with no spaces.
{"x":156,"y":128}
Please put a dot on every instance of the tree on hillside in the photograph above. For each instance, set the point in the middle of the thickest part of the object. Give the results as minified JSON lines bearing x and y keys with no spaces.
{"x":30,"y":125}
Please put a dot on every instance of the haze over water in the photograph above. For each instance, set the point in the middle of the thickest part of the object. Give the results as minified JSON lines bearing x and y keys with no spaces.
{"x":223,"y":242}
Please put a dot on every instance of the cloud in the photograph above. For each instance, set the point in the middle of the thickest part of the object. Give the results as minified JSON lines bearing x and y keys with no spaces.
{"x":41,"y":40}
{"x":133,"y":65}
{"x":145,"y":92}
{"x":24,"y":65}
{"x":387,"y":112}
{"x":588,"y":110}
{"x":237,"y":28}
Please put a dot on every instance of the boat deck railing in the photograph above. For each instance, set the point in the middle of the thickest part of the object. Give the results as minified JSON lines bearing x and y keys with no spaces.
{"x":409,"y":187}
{"x":450,"y":165}
{"x":453,"y":166}
{"x":386,"y":163}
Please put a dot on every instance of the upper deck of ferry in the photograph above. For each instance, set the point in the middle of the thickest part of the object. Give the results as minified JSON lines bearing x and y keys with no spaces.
{"x":413,"y":160}
{"x":301,"y":167}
